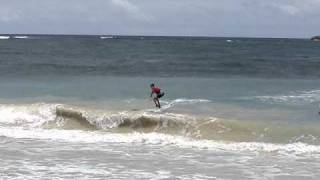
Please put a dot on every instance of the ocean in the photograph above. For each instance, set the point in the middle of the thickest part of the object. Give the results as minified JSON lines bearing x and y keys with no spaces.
{"x":79,"y":107}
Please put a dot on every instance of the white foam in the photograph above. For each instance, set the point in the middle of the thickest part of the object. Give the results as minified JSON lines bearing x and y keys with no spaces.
{"x":183,"y":101}
{"x":301,"y":97}
{"x":32,"y":115}
{"x":158,"y":139}
{"x":21,"y":37}
{"x":106,"y":37}
{"x":4,"y":37}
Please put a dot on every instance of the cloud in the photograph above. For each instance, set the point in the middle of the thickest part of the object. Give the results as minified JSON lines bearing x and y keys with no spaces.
{"x":267,"y":18}
{"x":289,"y":7}
{"x":132,"y":9}
{"x":126,"y":5}
{"x":8,"y":14}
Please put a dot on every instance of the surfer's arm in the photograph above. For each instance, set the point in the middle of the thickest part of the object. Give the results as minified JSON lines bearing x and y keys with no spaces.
{"x":151,"y":94}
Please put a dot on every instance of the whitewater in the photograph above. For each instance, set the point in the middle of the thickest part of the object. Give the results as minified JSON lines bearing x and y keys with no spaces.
{"x":40,"y":134}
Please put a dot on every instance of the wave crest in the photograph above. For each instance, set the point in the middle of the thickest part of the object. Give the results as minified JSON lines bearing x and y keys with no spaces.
{"x":66,"y":117}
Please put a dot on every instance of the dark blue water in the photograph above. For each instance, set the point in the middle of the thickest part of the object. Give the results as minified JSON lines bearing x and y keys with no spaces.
{"x":160,"y":56}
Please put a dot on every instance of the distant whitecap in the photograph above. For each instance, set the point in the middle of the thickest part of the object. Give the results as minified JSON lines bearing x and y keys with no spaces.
{"x":21,"y":37}
{"x":106,"y":37}
{"x":4,"y":37}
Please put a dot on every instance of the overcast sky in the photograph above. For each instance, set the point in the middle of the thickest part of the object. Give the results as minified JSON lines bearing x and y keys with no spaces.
{"x":240,"y":18}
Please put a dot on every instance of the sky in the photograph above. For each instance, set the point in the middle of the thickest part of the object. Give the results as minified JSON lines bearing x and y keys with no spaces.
{"x":222,"y":18}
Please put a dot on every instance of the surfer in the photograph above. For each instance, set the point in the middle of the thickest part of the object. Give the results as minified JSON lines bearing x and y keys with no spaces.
{"x":159,"y":94}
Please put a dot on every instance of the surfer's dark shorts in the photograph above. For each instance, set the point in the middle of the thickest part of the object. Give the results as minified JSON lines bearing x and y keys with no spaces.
{"x":160,"y":95}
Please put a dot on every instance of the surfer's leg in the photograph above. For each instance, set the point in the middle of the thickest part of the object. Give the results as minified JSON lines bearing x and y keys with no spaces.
{"x":158,"y":97}
{"x":158,"y":103}
{"x":155,"y":100}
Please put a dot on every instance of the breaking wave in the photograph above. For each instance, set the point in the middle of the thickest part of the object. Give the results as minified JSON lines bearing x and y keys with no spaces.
{"x":61,"y":122}
{"x":66,"y":117}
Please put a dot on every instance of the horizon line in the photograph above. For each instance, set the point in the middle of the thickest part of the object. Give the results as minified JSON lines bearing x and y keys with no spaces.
{"x":126,"y":35}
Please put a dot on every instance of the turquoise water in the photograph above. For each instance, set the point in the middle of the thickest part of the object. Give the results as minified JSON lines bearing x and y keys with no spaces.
{"x":295,"y":95}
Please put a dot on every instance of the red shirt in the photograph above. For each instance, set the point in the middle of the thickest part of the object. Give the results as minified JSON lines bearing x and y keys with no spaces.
{"x":156,"y":90}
